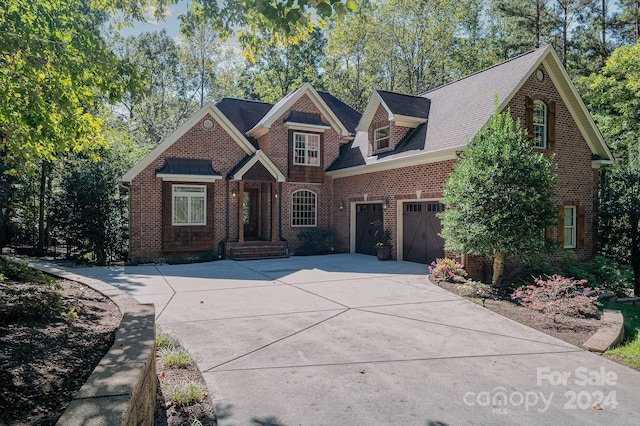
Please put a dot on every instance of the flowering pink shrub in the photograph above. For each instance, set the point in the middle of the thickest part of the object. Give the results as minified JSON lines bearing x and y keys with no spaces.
{"x":446,"y":269}
{"x":559,"y":295}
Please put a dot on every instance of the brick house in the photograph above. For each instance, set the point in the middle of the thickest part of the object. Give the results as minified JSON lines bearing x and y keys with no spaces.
{"x":243,"y":178}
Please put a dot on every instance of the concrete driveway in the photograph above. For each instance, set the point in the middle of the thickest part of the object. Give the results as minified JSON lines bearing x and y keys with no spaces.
{"x":348,"y":340}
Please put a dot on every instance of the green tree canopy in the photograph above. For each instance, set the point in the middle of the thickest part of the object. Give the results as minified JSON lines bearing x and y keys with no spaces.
{"x":614,"y":99}
{"x":54,"y":66}
{"x":500,"y":196}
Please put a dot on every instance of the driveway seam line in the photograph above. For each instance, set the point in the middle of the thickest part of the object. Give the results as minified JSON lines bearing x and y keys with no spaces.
{"x":461,"y":328}
{"x":172,"y":296}
{"x":387,"y":361}
{"x":254,"y":316}
{"x":276,"y":341}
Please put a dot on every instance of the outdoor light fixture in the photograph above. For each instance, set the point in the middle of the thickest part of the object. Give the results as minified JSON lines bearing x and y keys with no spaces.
{"x":233,"y":194}
{"x":341,"y":205}
{"x":386,"y":203}
{"x":276,"y":195}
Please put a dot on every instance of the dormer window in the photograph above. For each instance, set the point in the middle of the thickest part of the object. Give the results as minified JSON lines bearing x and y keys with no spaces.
{"x":381,"y":138}
{"x":539,"y":125}
{"x":306,"y":149}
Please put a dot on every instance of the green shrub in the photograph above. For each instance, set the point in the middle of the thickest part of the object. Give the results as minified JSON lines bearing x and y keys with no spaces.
{"x":21,"y":272}
{"x":446,"y":269}
{"x":175,"y":357}
{"x":187,"y":392}
{"x":476,"y":289}
{"x":315,"y":241}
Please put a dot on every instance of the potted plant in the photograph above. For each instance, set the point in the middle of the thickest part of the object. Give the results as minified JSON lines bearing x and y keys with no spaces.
{"x":383,"y":247}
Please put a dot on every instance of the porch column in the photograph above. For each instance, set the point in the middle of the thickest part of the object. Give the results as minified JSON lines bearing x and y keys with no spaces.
{"x":274,"y":210}
{"x":240,"y":212}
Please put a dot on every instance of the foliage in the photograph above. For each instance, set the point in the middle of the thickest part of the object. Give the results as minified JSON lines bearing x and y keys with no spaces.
{"x":619,"y":223}
{"x":605,"y":273}
{"x":475,"y":289}
{"x":384,"y":239}
{"x":446,"y":269}
{"x":54,"y":67}
{"x":629,"y":350}
{"x":558,"y":295}
{"x":21,"y":272}
{"x":89,"y":207}
{"x":187,"y":392}
{"x":315,"y":241}
{"x":165,"y":339}
{"x":276,"y":68}
{"x":614,"y":99}
{"x":175,"y":356}
{"x":500,"y":196}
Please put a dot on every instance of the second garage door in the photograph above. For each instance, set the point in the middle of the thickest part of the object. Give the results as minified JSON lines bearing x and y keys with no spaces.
{"x":421,"y":242}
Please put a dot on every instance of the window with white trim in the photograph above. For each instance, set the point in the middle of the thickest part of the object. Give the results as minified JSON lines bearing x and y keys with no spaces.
{"x":381,"y":138}
{"x":570,"y":226}
{"x":306,"y":149}
{"x":539,"y":125}
{"x":303,"y":208}
{"x":189,"y":204}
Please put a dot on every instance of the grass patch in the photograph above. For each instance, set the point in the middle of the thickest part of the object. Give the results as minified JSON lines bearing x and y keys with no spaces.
{"x":165,"y":339}
{"x":186,"y":393}
{"x":175,"y":357}
{"x":629,"y":350}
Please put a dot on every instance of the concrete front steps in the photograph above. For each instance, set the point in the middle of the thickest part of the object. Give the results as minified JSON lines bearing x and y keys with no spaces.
{"x":253,"y":250}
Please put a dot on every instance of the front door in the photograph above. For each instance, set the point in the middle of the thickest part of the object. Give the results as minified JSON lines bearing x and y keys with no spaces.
{"x":250,"y":213}
{"x":369,"y":227}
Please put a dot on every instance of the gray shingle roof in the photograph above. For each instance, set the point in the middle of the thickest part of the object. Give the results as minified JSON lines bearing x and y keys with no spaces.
{"x":347,"y":115}
{"x":409,"y":105}
{"x":457,"y":112}
{"x":242,"y":113}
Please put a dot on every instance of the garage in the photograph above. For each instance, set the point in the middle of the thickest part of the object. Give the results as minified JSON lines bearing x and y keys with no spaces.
{"x":421,"y":241}
{"x":369,"y":227}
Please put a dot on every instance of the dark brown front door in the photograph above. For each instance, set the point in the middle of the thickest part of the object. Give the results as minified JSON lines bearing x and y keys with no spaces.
{"x":421,"y":242}
{"x":250,"y":213}
{"x":369,"y":227}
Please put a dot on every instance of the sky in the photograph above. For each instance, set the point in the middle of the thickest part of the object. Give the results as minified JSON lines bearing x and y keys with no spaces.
{"x":171,"y":22}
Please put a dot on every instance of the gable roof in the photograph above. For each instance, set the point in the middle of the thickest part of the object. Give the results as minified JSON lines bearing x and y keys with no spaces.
{"x":262,"y":126}
{"x":347,"y":115}
{"x":460,"y":109}
{"x":248,"y":162}
{"x":404,"y":110}
{"x":207,"y":109}
{"x":244,"y":114}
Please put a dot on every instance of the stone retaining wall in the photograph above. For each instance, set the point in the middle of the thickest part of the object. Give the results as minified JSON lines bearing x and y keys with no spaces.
{"x":122,"y":388}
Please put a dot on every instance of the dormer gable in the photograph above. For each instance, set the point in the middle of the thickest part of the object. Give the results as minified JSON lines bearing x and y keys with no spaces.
{"x":286,"y":103}
{"x":404,"y":110}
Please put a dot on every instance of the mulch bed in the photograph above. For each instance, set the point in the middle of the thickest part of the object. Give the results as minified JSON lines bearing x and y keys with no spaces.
{"x":45,"y":361}
{"x":167,"y":413}
{"x":573,"y":330}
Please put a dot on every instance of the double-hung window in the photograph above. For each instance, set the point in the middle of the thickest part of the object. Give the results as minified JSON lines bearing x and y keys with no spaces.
{"x":381,"y":138}
{"x":539,"y":125}
{"x":189,"y":204}
{"x":570,"y":226}
{"x":306,"y":149}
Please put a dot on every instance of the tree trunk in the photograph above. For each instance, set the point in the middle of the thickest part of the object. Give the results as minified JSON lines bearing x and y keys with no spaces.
{"x":499,"y":259}
{"x":635,"y":253}
{"x":43,"y":190}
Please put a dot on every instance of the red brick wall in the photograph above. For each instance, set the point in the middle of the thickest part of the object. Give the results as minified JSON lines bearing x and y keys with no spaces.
{"x":572,"y":156}
{"x":395,"y":185}
{"x":146,"y":189}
